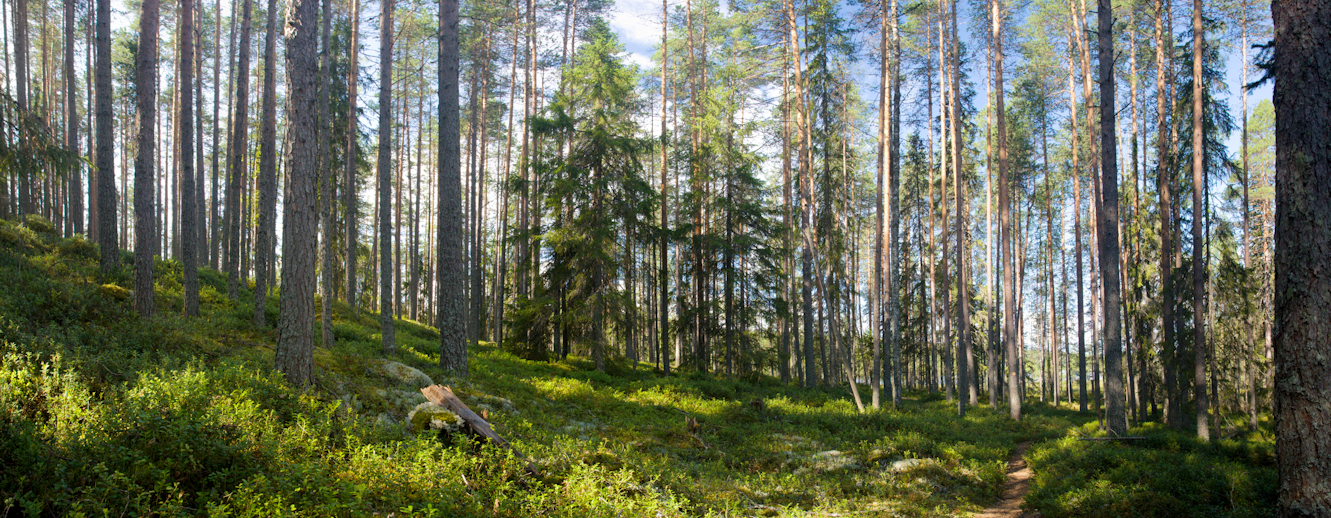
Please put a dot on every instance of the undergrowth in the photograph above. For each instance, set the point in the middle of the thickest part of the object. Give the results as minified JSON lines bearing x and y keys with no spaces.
{"x":1166,"y":474}
{"x":105,"y":413}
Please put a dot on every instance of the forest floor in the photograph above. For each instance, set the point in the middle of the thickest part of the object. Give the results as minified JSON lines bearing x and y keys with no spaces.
{"x":104,"y":412}
{"x":1018,"y":483}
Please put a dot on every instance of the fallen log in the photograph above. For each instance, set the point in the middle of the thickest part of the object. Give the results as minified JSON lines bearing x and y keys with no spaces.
{"x":1111,"y":439}
{"x":476,"y":425}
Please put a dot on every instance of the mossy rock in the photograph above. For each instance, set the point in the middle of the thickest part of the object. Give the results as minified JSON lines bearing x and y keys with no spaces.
{"x":429,"y":416}
{"x":115,"y":292}
{"x":39,"y":224}
{"x":20,"y":236}
{"x":405,"y":374}
{"x":77,"y":247}
{"x":11,"y":236}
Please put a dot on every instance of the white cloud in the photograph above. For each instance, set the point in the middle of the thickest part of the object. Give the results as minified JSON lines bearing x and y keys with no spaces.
{"x":638,"y":24}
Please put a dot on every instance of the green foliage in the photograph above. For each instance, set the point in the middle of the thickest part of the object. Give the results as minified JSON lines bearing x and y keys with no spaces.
{"x":1170,"y":474}
{"x":103,"y":412}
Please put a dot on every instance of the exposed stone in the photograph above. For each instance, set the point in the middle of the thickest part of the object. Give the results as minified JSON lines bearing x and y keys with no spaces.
{"x":433,"y":417}
{"x":405,"y":373}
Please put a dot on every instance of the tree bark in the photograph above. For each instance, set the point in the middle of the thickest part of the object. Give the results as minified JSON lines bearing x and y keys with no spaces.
{"x":1198,"y":247}
{"x":1010,"y":338}
{"x":22,"y":80}
{"x":237,"y":151}
{"x":350,"y":195}
{"x":107,"y":236}
{"x":894,"y":285}
{"x":385,"y":159}
{"x":72,"y":124}
{"x":188,"y":231}
{"x":967,"y":385}
{"x":1302,"y":291}
{"x":451,"y":268}
{"x":266,"y":233}
{"x":663,"y":273}
{"x":1164,"y":183}
{"x":145,"y":211}
{"x":325,"y":135}
{"x":876,"y":287}
{"x":1108,"y":227}
{"x":295,"y":326}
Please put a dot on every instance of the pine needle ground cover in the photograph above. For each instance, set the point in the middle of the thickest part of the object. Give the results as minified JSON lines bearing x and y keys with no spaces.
{"x":104,"y":413}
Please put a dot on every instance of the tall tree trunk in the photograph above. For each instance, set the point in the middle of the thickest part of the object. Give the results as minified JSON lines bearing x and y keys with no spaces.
{"x":1010,"y":338}
{"x":145,"y":213}
{"x":350,"y":193}
{"x":1108,"y":227}
{"x":806,"y":200}
{"x":1249,"y":343}
{"x":325,"y":136}
{"x":386,"y":293}
{"x":1302,"y":315}
{"x":969,"y":392}
{"x":1049,"y":238}
{"x":1076,"y":228}
{"x":1198,"y":247}
{"x":237,"y":150}
{"x":1164,"y":184}
{"x":894,"y":285}
{"x":23,"y":79}
{"x":266,"y":233}
{"x":189,"y":234}
{"x":453,"y":345}
{"x":948,"y":367}
{"x":106,"y":179}
{"x":72,"y":125}
{"x":663,"y":268}
{"x":295,"y":325}
{"x":200,"y":200}
{"x":215,"y":223}
{"x":877,"y":290}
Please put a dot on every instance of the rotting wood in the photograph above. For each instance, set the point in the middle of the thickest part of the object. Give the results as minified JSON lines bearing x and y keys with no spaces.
{"x":1111,"y":438}
{"x":476,"y":425}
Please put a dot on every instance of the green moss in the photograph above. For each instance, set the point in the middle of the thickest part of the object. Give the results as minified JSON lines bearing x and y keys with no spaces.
{"x":39,"y":224}
{"x":116,"y":293}
{"x":429,"y":416}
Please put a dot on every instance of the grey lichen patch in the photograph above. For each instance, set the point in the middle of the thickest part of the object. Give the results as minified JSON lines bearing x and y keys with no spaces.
{"x":831,"y":460}
{"x":404,"y":374}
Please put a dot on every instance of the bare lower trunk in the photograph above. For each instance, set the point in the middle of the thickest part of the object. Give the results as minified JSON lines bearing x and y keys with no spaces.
{"x":107,"y":236}
{"x":295,"y":326}
{"x":386,"y":269}
{"x":350,"y":195}
{"x":266,"y":232}
{"x":145,"y":210}
{"x":236,"y":167}
{"x":1108,"y":227}
{"x":188,"y":232}
{"x":1302,"y":291}
{"x":451,"y":270}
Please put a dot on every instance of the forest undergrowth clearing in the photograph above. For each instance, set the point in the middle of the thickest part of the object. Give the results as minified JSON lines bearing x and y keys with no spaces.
{"x":107,"y":412}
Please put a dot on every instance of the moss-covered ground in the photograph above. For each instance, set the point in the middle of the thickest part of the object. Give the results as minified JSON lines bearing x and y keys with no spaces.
{"x":105,"y":413}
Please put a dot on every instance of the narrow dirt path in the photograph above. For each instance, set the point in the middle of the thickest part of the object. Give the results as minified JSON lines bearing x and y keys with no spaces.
{"x":1014,"y":490}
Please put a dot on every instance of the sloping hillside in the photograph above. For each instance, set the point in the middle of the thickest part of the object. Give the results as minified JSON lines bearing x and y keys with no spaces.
{"x":102,"y":412}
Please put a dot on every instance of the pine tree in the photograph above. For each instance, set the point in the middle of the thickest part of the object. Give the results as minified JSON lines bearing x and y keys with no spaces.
{"x":295,"y":326}
{"x":189,"y":232}
{"x":1301,"y":64}
{"x":451,"y":268}
{"x":384,"y":165}
{"x":145,"y":210}
{"x":265,"y":235}
{"x":106,"y":180}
